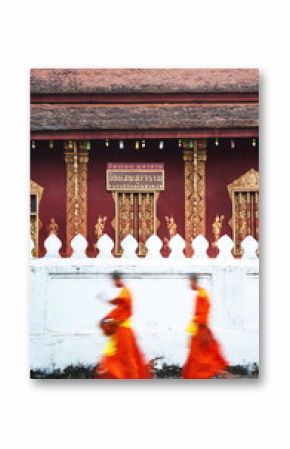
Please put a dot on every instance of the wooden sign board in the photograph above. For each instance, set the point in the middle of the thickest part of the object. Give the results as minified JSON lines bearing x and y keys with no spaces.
{"x":135,"y":177}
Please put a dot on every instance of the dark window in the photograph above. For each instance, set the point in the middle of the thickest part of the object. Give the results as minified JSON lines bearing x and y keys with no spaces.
{"x":33,"y":204}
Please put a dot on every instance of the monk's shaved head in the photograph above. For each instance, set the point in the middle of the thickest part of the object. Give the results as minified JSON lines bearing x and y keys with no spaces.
{"x":116,"y":275}
{"x":193,"y":280}
{"x":117,"y":279}
{"x":193,"y":277}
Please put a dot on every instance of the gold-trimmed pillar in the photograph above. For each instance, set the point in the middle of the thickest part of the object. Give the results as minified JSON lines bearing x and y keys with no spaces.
{"x":194,"y":157}
{"x":76,"y":159}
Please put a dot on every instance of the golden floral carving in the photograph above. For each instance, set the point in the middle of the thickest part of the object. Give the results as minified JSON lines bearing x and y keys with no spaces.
{"x":249,"y":181}
{"x":76,"y":159}
{"x":188,"y":192}
{"x":194,"y":157}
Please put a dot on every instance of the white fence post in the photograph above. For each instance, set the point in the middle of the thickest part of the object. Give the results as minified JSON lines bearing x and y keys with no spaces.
{"x":52,"y":245}
{"x":225,"y":246}
{"x":153,"y":245}
{"x":177,"y":245}
{"x":105,"y":245}
{"x":200,"y":246}
{"x":129,"y":246}
{"x":79,"y":245}
{"x":249,"y":246}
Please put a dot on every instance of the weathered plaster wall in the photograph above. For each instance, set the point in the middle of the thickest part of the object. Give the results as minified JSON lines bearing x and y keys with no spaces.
{"x":65,"y":311}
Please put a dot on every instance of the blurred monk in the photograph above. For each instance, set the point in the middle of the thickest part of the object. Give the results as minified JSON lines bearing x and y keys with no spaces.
{"x":205,"y":359}
{"x":122,"y":359}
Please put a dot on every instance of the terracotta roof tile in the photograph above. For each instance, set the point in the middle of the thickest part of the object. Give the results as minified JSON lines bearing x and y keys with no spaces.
{"x":160,"y":81}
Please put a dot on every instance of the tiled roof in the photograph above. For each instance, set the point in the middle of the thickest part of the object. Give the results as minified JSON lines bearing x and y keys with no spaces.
{"x":179,"y":116}
{"x":147,"y":81}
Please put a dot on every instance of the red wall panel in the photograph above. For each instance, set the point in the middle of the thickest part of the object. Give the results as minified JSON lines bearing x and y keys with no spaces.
{"x":224,"y":165}
{"x":47,"y":168}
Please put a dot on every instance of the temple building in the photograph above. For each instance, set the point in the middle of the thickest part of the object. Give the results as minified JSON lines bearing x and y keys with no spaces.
{"x":143,"y":151}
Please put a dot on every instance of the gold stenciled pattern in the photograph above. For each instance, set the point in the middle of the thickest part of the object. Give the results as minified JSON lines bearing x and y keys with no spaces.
{"x":76,"y":159}
{"x":194,"y":157}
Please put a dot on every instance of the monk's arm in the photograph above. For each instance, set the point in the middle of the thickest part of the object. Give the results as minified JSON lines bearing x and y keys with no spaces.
{"x":119,"y":314}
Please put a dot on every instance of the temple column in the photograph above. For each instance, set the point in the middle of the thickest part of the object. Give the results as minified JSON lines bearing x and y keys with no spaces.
{"x":76,"y":159}
{"x":194,"y":157}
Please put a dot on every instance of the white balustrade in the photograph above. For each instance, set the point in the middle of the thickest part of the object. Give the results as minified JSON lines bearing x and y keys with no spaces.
{"x":129,"y":246}
{"x":52,"y":245}
{"x":79,"y":245}
{"x":225,"y":246}
{"x":177,"y":245}
{"x":249,"y":246}
{"x":200,"y":246}
{"x":105,"y":246}
{"x":153,"y":245}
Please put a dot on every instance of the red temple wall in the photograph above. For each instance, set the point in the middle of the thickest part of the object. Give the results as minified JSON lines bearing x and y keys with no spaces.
{"x":47,"y":168}
{"x":100,"y":202}
{"x":224,"y":165}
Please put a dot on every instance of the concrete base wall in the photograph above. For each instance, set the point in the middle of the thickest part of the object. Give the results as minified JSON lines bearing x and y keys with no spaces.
{"x":65,"y":309}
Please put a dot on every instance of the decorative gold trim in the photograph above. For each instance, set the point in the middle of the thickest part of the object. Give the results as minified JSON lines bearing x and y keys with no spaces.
{"x":243,"y":186}
{"x":188,"y":192}
{"x":248,"y":182}
{"x":76,"y":159}
{"x":36,"y":189}
{"x":194,"y":157}
{"x":35,"y":223}
{"x":201,"y":187}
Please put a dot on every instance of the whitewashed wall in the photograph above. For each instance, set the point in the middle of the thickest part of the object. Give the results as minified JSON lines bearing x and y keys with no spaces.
{"x":65,"y":310}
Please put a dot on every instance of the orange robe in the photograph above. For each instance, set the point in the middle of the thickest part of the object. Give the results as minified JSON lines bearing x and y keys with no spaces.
{"x":205,"y":358}
{"x":122,"y":358}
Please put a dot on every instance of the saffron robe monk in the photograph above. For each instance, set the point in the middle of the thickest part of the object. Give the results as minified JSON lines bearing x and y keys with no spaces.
{"x":122,"y":359}
{"x":205,"y":359}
